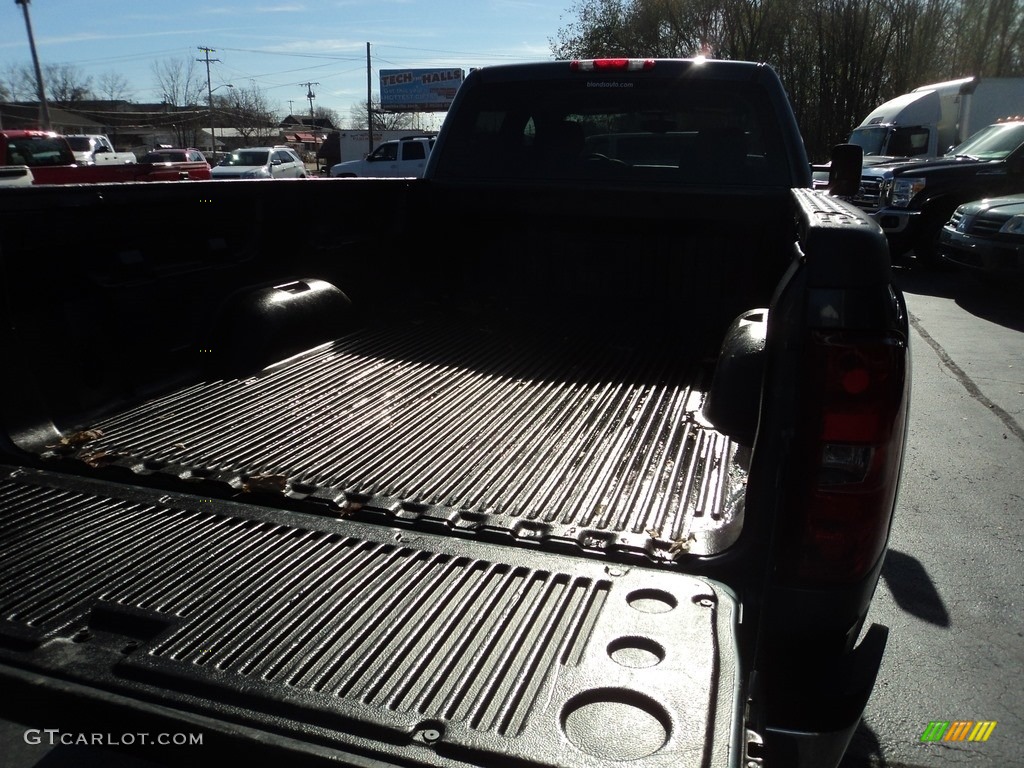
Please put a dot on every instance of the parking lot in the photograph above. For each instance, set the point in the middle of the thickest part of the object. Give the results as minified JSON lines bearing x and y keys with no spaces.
{"x":951,"y":586}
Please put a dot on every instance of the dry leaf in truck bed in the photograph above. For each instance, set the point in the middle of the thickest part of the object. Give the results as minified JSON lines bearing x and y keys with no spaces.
{"x":265,"y":484}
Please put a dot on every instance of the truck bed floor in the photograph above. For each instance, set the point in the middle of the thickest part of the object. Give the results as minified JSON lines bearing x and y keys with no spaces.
{"x":553,"y":442}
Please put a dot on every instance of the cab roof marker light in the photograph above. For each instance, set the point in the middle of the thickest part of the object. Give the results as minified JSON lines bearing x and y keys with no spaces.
{"x":611,"y":65}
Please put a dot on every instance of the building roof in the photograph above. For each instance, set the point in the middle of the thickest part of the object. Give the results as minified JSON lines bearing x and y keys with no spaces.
{"x":21,"y":115}
{"x":297,"y":121}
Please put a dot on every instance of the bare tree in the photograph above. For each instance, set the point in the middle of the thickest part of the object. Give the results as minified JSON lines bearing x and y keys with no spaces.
{"x":183,"y":90}
{"x":180,"y":82}
{"x":247,"y":111}
{"x":328,"y":116}
{"x":20,"y":80}
{"x":113,"y":86}
{"x":837,"y":58}
{"x":601,"y":28}
{"x":382,"y":121}
{"x":991,"y":39}
{"x":66,"y":85}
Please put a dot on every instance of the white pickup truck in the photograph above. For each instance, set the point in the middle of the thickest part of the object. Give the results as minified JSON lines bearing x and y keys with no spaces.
{"x":97,"y":149}
{"x":406,"y":157}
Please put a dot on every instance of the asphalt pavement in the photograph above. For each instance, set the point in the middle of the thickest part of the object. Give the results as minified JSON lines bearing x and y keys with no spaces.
{"x":952,"y":591}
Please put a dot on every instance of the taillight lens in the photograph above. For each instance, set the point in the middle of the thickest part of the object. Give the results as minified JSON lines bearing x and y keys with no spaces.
{"x":856,"y":411}
{"x":611,"y":65}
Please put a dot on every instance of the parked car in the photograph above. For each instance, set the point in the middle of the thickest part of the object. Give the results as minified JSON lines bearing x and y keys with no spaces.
{"x":912,"y":200}
{"x":401,"y":158}
{"x":170,"y":155}
{"x":15,"y":176}
{"x":96,"y":148}
{"x":30,"y":157}
{"x":986,"y":236}
{"x":261,"y":163}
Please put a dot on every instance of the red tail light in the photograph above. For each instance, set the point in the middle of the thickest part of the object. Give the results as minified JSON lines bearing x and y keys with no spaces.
{"x":843,"y":503}
{"x":611,"y":65}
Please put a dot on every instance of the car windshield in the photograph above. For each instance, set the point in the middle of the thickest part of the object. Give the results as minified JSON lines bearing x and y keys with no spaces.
{"x":993,"y":142}
{"x":79,"y":143}
{"x":248,"y":157}
{"x":40,"y":151}
{"x":164,"y":157}
{"x":869,"y":139}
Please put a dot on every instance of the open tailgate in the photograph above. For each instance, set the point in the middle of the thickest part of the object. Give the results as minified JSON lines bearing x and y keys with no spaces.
{"x":327,"y":638}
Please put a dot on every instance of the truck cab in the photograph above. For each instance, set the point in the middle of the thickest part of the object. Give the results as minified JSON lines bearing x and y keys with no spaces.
{"x":921,"y":123}
{"x":96,"y":149}
{"x":405,"y":157}
{"x":929,"y":120}
{"x":34,"y":149}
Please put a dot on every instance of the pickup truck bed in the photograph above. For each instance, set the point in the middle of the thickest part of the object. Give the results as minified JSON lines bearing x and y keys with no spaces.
{"x":586,"y":467}
{"x":577,"y":387}
{"x":446,"y":425}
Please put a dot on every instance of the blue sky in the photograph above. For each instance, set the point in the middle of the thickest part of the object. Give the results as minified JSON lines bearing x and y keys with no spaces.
{"x":279,"y":45}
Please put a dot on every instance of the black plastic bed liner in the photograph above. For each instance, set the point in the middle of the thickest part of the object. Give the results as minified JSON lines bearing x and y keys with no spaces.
{"x":332,"y":637}
{"x":559,"y":443}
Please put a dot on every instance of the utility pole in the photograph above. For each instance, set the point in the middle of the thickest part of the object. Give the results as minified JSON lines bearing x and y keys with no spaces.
{"x":369,"y":100}
{"x":209,"y":94}
{"x":312,"y":120}
{"x":44,"y":109}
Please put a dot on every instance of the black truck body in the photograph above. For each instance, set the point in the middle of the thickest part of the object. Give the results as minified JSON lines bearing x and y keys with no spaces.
{"x":538,"y":460}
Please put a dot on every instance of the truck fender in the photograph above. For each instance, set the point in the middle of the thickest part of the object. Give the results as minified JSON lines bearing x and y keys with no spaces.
{"x":260,"y":325}
{"x":734,"y":400}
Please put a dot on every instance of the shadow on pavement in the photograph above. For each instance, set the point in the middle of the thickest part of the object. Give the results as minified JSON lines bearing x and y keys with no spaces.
{"x":992,"y":300}
{"x":912,"y":588}
{"x":865,"y":750}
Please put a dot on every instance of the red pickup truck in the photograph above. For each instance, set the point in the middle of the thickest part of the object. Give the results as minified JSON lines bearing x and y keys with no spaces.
{"x":44,"y":157}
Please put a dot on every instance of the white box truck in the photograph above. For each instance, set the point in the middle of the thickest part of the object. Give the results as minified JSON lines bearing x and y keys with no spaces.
{"x":933,"y":118}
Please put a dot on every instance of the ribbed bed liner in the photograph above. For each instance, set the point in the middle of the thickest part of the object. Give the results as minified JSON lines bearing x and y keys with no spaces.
{"x":568,"y":443}
{"x":348,"y":636}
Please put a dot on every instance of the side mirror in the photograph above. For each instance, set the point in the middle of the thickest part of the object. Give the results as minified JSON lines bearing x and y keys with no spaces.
{"x":847,"y":162}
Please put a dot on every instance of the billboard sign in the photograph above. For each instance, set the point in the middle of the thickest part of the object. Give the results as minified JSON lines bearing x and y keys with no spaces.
{"x":418,"y":90}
